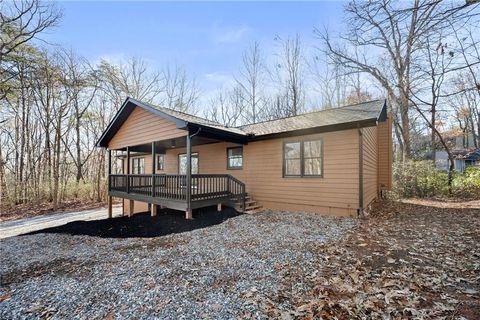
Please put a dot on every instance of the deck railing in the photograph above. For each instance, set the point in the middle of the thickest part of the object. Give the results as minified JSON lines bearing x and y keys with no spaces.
{"x":173,"y":186}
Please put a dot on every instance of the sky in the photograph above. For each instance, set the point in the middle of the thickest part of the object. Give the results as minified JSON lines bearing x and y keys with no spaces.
{"x":207,"y":38}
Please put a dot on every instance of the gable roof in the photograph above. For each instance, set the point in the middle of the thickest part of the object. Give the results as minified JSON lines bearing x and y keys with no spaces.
{"x":347,"y":117}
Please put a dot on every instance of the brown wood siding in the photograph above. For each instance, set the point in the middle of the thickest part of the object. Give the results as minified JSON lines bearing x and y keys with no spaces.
{"x":370,"y":163}
{"x":143,"y":127}
{"x":385,"y":154}
{"x":336,"y":193}
{"x":212,"y":158}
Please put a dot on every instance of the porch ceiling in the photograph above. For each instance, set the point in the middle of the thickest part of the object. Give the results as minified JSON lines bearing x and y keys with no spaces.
{"x":163,"y":145}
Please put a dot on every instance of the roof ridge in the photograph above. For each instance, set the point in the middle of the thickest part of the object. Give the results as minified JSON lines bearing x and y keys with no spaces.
{"x":178,"y":111}
{"x":307,"y":113}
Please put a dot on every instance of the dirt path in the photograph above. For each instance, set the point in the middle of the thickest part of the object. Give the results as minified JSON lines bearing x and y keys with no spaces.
{"x":17,"y":227}
{"x":411,"y":259}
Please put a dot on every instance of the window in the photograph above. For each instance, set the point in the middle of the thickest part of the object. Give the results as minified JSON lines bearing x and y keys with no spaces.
{"x":293,"y":159}
{"x":303,"y":158}
{"x":235,"y":158}
{"x":138,"y":165}
{"x":182,"y":163}
{"x":160,"y":162}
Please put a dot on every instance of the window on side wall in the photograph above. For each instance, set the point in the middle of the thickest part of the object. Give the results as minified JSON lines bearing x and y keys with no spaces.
{"x":138,"y":165}
{"x":235,"y":158}
{"x":303,"y":158}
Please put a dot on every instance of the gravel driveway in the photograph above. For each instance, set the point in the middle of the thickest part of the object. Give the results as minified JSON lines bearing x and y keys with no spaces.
{"x":212,"y":272}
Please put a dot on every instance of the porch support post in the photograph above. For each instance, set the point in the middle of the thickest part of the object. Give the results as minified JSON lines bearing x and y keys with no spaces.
{"x":188,"y":213}
{"x":109,"y":182}
{"x":219,"y":207}
{"x":128,"y":169}
{"x":153,"y":207}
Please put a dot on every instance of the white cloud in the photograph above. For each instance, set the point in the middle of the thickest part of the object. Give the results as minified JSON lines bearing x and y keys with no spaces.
{"x":229,"y":34}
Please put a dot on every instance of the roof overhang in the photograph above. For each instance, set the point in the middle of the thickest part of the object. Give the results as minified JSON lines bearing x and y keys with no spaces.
{"x":204,"y":130}
{"x":122,"y":114}
{"x":212,"y":132}
{"x":317,"y":130}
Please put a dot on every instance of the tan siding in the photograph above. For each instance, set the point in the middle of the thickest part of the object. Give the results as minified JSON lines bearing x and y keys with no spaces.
{"x":385,"y":154}
{"x":144,"y":127}
{"x":212,"y":158}
{"x":335,"y":193}
{"x":370,"y":169}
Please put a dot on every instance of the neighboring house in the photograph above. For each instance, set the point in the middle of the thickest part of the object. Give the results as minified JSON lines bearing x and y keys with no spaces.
{"x":466,"y":159}
{"x":462,"y":159}
{"x":334,"y":161}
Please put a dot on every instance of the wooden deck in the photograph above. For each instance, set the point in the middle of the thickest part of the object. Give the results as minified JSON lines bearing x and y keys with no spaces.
{"x":169,"y":190}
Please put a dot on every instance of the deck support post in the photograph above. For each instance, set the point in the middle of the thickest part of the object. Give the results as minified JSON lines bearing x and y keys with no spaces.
{"x":188,"y":193}
{"x":153,"y":209}
{"x":110,"y":209}
{"x":219,"y":207}
{"x":131,"y":208}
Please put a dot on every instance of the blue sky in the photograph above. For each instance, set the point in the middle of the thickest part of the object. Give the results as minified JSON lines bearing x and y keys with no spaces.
{"x":207,"y":38}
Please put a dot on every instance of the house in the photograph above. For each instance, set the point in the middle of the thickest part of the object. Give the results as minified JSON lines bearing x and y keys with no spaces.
{"x":466,"y":159}
{"x":462,"y":159}
{"x":334,"y":162}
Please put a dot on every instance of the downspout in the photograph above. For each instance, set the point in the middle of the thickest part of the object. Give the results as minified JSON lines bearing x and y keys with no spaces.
{"x":360,"y":173}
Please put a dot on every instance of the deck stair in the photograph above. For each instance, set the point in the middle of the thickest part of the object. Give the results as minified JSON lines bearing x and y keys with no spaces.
{"x":251,"y":205}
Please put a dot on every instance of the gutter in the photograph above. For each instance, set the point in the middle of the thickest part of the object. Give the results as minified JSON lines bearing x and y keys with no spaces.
{"x":360,"y":174}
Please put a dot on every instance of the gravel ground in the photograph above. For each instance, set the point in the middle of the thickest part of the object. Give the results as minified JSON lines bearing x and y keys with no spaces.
{"x":211,"y":272}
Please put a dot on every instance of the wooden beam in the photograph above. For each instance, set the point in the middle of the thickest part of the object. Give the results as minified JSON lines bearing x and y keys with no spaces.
{"x":131,"y":208}
{"x":188,"y":214}
{"x":109,"y":162}
{"x":110,"y":211}
{"x":128,"y":169}
{"x":153,"y":209}
{"x":153,"y":169}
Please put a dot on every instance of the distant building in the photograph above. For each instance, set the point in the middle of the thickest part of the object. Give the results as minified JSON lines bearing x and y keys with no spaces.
{"x":462,"y":159}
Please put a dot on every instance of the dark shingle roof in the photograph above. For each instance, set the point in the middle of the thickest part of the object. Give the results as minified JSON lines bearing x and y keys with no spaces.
{"x":347,"y":114}
{"x":190,"y":118}
{"x":363,"y":114}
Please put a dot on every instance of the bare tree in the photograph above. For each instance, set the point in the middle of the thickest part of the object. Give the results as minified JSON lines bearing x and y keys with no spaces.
{"x":181,"y":93}
{"x":22,"y":21}
{"x":389,"y":35}
{"x":227,"y":108}
{"x":290,"y":74}
{"x":251,"y":82}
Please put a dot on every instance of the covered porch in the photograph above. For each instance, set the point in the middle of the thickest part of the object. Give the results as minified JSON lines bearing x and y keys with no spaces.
{"x":185,"y":190}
